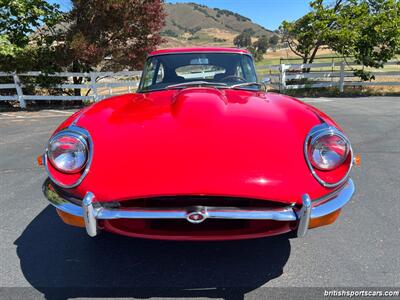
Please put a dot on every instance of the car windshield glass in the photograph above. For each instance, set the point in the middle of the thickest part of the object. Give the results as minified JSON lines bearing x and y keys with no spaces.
{"x":221,"y":70}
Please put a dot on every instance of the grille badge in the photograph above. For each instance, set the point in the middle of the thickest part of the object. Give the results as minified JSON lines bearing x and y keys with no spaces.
{"x":196,"y":214}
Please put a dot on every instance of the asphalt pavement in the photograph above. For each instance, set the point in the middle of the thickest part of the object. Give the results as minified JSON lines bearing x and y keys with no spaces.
{"x":41,"y":257}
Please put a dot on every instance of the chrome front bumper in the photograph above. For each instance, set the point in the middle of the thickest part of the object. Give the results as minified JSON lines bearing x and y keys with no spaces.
{"x":91,"y":211}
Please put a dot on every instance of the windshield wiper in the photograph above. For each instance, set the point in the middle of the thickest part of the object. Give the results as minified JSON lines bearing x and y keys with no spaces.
{"x":178,"y":85}
{"x":245,"y":84}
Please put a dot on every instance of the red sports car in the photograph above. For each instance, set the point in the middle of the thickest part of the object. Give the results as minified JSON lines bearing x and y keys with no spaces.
{"x":200,"y":152}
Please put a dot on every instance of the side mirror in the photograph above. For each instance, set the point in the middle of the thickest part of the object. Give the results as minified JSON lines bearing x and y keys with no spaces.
{"x":266,"y":81}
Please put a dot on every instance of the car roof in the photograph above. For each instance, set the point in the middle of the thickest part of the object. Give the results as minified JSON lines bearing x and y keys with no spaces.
{"x":199,"y":49}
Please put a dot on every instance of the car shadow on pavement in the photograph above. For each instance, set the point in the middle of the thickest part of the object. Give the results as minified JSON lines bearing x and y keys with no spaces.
{"x":63,"y":262}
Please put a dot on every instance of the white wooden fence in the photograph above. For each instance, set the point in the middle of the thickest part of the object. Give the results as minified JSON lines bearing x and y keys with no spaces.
{"x":98,"y":85}
{"x":321,"y":75}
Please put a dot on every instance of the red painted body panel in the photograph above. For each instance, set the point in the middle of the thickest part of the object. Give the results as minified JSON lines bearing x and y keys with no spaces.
{"x":199,"y":141}
{"x":199,"y":49}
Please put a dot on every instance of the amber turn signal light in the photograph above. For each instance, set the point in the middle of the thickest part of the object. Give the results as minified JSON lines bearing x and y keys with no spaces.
{"x":357,"y":160}
{"x":326,"y":220}
{"x":71,"y":219}
{"x":40,"y":160}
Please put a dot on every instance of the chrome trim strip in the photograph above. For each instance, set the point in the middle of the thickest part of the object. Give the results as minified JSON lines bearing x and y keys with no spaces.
{"x":86,"y":135}
{"x":58,"y":201}
{"x":91,"y":213}
{"x":281,"y":214}
{"x":140,"y":213}
{"x":336,"y":203}
{"x":304,"y":216}
{"x":327,"y":196}
{"x":318,"y":131}
{"x":76,"y":119}
{"x":201,"y":52}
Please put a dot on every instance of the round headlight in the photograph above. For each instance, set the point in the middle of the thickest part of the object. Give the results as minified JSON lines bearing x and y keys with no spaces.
{"x":68,"y":152}
{"x":327,"y":152}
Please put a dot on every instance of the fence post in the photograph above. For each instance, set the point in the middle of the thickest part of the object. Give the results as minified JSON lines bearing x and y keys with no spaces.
{"x":20,"y":93}
{"x":93,"y":86}
{"x":282,"y":85}
{"x":341,"y":80}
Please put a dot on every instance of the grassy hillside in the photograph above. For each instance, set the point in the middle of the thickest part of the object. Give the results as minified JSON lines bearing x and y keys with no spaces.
{"x":194,"y":24}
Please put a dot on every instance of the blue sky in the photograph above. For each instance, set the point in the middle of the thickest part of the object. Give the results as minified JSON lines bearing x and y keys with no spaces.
{"x":268,"y":13}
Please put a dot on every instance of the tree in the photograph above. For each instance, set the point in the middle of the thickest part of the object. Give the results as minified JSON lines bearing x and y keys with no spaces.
{"x":25,"y":44}
{"x":306,"y":35}
{"x":368,"y":30}
{"x":374,"y":38}
{"x":262,"y":44}
{"x":250,"y":31}
{"x":274,"y":40}
{"x":22,"y":42}
{"x":124,"y":30}
{"x":260,"y":47}
{"x":243,"y":40}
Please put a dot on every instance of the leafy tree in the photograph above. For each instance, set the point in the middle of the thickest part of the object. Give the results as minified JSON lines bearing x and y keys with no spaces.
{"x":243,"y":40}
{"x":170,"y":32}
{"x":274,"y":40}
{"x":250,"y":31}
{"x":374,"y":38}
{"x":260,"y":47}
{"x":35,"y":35}
{"x":23,"y":44}
{"x":262,"y":44}
{"x":306,"y":35}
{"x":194,"y":30}
{"x":368,"y":30}
{"x":124,"y":30}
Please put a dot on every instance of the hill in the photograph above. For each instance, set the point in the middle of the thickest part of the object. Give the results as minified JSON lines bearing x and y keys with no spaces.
{"x":194,"y":24}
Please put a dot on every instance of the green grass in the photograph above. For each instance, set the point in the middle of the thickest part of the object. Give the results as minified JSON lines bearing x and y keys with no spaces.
{"x":268,"y":62}
{"x":324,"y":58}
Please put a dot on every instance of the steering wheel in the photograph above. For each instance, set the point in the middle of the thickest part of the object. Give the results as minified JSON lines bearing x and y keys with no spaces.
{"x":238,"y":78}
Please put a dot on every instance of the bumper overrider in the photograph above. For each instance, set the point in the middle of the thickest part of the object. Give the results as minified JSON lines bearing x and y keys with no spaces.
{"x":311,"y":210}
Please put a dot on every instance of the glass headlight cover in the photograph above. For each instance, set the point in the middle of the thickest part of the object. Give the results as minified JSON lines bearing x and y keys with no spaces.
{"x":327,"y":152}
{"x":68,"y":152}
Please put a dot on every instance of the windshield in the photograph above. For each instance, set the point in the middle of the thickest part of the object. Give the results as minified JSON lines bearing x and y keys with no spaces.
{"x":222,"y":70}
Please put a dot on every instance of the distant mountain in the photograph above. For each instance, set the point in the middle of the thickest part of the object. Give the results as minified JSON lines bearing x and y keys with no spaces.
{"x":195,"y":24}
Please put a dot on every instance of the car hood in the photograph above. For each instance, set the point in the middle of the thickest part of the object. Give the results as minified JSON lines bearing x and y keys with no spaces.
{"x":199,"y":141}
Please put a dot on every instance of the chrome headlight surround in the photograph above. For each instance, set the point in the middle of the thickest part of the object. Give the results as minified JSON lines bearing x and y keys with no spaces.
{"x":83,"y":136}
{"x":313,"y":136}
{"x":66,"y":160}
